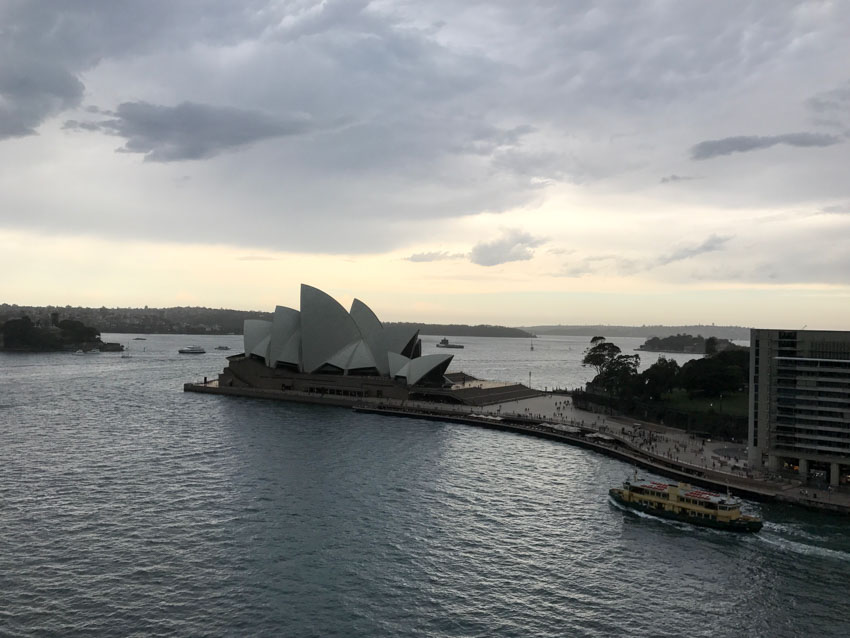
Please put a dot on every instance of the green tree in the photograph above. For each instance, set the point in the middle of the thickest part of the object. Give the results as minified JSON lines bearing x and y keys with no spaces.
{"x":600,"y":354}
{"x":77,"y":332}
{"x":711,"y":377}
{"x":659,"y":378}
{"x":619,"y":376}
{"x":23,"y":334}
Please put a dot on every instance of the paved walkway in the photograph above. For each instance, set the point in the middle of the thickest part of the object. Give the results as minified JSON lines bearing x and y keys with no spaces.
{"x":720,"y":461}
{"x":671,"y":444}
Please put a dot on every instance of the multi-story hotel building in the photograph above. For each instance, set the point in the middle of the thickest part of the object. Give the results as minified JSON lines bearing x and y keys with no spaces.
{"x":800,"y":403}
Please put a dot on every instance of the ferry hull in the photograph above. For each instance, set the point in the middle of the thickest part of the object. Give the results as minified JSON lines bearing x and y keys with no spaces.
{"x":739,"y":525}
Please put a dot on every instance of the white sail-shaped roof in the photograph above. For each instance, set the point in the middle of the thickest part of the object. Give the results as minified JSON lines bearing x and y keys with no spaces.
{"x":323,"y":334}
{"x":415,"y":369}
{"x":397,"y":363}
{"x":373,"y":334}
{"x":354,"y":356}
{"x":285,"y":345}
{"x":326,"y":328}
{"x":255,"y":338}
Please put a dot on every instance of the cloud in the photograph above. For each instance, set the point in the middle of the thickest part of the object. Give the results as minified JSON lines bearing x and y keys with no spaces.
{"x":433,"y":256}
{"x":255,"y":258}
{"x":191,"y":131}
{"x":31,"y":91}
{"x":413,"y":113}
{"x":514,"y":245}
{"x":597,"y":264}
{"x":836,"y":209}
{"x":676,"y":178}
{"x":711,"y":244}
{"x":835,"y":102}
{"x":746,"y":143}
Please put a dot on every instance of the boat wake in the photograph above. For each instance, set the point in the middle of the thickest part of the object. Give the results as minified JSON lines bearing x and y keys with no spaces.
{"x":680,"y":525}
{"x":803,"y":548}
{"x":666,"y":521}
{"x":791,"y":531}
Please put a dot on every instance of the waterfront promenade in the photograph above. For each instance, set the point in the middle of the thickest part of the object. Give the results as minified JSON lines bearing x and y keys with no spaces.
{"x":719,"y":465}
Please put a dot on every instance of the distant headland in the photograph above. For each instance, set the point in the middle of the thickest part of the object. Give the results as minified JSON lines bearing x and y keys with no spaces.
{"x":213,"y":321}
{"x":218,"y":321}
{"x":688,"y":344}
{"x":721,"y":332}
{"x":24,"y":335}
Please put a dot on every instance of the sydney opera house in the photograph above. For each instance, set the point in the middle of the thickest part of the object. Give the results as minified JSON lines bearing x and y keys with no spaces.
{"x":324,"y":349}
{"x":325,"y":354}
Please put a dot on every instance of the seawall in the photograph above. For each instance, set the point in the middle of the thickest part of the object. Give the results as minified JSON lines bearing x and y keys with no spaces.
{"x":587,"y":438}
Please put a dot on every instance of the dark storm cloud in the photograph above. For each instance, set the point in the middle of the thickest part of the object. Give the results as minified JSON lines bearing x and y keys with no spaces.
{"x":711,"y":244}
{"x":192,"y":131}
{"x":31,"y":91}
{"x":513,"y":245}
{"x":436,"y":110}
{"x":745,"y":143}
{"x":46,"y":46}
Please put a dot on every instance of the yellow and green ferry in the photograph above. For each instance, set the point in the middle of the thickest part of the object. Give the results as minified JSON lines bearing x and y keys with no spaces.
{"x":683,"y":502}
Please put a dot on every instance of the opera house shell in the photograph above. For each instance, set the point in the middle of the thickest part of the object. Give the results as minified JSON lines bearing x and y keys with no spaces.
{"x":324,"y":348}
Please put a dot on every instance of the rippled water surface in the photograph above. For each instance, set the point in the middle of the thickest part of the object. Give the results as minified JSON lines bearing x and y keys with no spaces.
{"x":128,"y":507}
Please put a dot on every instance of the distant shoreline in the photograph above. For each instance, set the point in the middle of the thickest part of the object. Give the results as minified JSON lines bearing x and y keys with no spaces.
{"x":642,"y":349}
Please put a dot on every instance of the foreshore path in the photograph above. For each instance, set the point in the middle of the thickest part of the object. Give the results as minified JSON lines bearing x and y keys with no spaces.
{"x":673,"y":453}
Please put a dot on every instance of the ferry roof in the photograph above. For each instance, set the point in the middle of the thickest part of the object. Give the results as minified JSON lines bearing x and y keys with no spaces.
{"x":696,"y":493}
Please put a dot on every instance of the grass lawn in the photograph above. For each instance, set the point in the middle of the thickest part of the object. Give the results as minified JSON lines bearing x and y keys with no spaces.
{"x":737,"y":404}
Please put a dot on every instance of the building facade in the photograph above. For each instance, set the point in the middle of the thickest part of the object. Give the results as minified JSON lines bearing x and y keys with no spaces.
{"x":800,"y":404}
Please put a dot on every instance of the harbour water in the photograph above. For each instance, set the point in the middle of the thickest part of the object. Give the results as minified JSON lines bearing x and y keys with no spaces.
{"x":128,"y":507}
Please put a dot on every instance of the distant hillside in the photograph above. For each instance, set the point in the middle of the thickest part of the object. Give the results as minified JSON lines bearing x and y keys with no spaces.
{"x":179,"y":320}
{"x":722,"y":332}
{"x":460,"y":330}
{"x":193,"y":320}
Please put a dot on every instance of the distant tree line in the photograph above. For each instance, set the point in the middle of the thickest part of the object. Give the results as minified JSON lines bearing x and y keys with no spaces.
{"x":460,"y":330}
{"x":687,"y":343}
{"x":198,"y":320}
{"x":23,"y":334}
{"x":725,"y":332}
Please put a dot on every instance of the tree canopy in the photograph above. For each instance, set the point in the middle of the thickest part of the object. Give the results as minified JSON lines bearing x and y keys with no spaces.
{"x":600,"y":354}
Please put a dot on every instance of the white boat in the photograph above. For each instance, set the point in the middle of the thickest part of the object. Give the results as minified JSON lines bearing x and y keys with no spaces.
{"x":191,"y":350}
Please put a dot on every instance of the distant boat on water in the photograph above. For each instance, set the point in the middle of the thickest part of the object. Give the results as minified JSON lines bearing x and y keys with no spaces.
{"x":191,"y":350}
{"x":222,"y":347}
{"x":139,"y":339}
{"x":444,"y":343}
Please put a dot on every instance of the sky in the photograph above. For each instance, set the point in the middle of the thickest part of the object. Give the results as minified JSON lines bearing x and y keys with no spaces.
{"x":476,"y":162}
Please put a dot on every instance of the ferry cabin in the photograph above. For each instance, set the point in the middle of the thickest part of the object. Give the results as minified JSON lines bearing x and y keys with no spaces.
{"x":683,"y":500}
